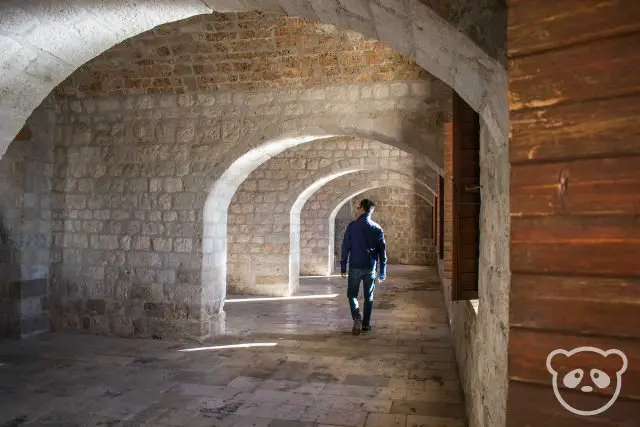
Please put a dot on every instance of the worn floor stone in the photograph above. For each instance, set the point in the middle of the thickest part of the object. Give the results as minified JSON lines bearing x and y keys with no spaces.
{"x":317,"y":374}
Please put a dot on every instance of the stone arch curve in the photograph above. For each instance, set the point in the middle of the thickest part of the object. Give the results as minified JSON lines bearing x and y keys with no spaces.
{"x":269,"y":273}
{"x":348,"y":196}
{"x":323,"y":204}
{"x":307,"y":188}
{"x":388,"y":127}
{"x":48,"y":42}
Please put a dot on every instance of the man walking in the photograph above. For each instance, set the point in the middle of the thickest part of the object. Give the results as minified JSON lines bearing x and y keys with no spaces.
{"x":363,"y":246}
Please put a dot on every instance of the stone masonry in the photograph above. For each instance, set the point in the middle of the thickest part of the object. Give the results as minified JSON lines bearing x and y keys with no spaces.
{"x":344,"y":216}
{"x":132,"y":248}
{"x":222,"y":52}
{"x":490,"y":313}
{"x":260,"y":215}
{"x":41,"y":56}
{"x":131,"y":179}
{"x":25,"y":229}
{"x":320,"y":214}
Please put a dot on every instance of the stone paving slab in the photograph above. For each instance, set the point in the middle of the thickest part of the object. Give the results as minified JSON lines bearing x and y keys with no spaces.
{"x":402,"y":373}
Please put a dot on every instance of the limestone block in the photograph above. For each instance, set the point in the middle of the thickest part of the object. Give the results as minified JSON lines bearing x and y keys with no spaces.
{"x":143,"y":259}
{"x":183,"y":245}
{"x":161,"y":244}
{"x":166,"y":277}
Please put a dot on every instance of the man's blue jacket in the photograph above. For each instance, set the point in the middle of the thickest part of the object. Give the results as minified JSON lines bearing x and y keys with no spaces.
{"x":363,"y":245}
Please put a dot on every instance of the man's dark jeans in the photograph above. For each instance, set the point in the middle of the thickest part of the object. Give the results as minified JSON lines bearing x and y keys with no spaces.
{"x":367,"y":277}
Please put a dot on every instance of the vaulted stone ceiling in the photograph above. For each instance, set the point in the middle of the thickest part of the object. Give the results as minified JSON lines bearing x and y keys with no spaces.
{"x":249,"y":50}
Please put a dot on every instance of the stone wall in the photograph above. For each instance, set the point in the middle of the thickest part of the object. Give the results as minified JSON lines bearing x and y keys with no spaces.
{"x":260,"y":214}
{"x":221,"y":52}
{"x":132,"y":176}
{"x":484,"y":21}
{"x":25,"y":228}
{"x":319,"y":216}
{"x":480,"y":328}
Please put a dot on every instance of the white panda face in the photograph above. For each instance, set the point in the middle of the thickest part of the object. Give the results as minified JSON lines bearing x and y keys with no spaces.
{"x":586,"y":370}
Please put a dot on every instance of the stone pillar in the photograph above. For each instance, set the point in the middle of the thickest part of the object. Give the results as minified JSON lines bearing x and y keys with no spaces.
{"x":25,"y":229}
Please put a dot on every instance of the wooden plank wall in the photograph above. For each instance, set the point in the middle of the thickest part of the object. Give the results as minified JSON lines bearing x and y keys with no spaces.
{"x":574,"y":99}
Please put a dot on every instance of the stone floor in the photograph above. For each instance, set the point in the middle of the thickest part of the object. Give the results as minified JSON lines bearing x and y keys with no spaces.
{"x":310,"y":372}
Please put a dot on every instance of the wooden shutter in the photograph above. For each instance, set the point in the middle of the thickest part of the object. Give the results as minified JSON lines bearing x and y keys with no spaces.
{"x":441,"y":216}
{"x":466,"y":201}
{"x":434,"y":218}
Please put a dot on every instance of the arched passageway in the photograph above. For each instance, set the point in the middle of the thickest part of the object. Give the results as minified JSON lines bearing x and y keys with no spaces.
{"x":411,"y":28}
{"x":346,"y":196}
{"x":317,"y":230}
{"x":309,"y":189}
{"x":388,"y":130}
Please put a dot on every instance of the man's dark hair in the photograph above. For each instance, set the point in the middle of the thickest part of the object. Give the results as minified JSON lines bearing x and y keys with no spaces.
{"x":367,"y":205}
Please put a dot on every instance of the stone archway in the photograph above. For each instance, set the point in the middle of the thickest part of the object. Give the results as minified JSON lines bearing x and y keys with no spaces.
{"x":318,"y":238}
{"x":169,"y":166}
{"x":427,"y":197}
{"x":277,"y":224}
{"x":307,"y":189}
{"x":388,"y":128}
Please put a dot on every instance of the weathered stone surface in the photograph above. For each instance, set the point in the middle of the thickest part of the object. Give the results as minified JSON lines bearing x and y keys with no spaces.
{"x":321,"y":220}
{"x":480,"y":330}
{"x":26,"y":229}
{"x":217,"y":52}
{"x":323,"y":375}
{"x":255,"y":218}
{"x":146,"y":206}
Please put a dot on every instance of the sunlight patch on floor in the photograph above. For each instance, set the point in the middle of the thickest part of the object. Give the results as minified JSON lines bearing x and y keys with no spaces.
{"x":294,"y":297}
{"x":321,"y":276}
{"x":232,"y":346}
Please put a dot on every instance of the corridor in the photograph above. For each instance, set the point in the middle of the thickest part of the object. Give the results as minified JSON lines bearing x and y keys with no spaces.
{"x":308,"y":369}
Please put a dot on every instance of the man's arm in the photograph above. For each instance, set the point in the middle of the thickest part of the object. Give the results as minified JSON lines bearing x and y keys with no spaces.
{"x":346,"y":249}
{"x":382,"y":255}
